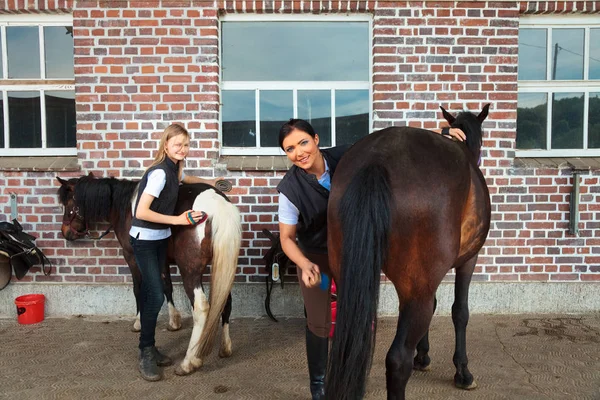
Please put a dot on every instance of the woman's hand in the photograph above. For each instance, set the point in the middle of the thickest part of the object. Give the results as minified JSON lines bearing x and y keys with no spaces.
{"x":457,"y":134}
{"x":183,"y":218}
{"x":311,"y":275}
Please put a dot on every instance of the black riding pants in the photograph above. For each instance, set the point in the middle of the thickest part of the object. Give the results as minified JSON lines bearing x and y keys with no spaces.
{"x":150,"y":256}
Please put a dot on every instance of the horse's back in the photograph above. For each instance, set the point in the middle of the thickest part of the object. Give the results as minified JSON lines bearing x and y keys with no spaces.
{"x":432,"y":186}
{"x":427,"y":171}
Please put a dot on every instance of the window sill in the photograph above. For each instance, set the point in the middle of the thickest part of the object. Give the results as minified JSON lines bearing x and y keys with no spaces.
{"x":573,"y":163}
{"x":256,"y":163}
{"x":58,"y":164}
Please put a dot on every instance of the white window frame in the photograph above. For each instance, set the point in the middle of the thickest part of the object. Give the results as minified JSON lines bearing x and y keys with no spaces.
{"x":548,"y":86}
{"x":6,"y":85}
{"x":294,"y":86}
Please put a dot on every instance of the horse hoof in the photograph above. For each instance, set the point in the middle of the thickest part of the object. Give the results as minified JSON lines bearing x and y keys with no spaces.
{"x":179,"y":371}
{"x":465,"y":386}
{"x":136,"y":329}
{"x":422,"y":363}
{"x":172,"y":328}
{"x":224,"y":353}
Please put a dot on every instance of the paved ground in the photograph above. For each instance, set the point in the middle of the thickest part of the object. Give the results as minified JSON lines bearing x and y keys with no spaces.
{"x":512,"y":357}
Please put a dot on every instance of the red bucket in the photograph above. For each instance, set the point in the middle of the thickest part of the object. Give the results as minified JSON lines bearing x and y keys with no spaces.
{"x":30,"y":308}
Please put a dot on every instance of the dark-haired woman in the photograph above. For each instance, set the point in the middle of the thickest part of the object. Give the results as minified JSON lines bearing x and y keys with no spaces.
{"x":303,"y":197}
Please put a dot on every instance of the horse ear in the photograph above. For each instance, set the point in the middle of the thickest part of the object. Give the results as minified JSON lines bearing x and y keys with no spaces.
{"x":484,"y":113}
{"x":91,"y":174}
{"x":447,"y":116}
{"x":61,"y":180}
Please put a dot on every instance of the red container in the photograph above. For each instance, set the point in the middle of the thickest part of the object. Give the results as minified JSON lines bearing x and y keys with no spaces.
{"x":333,"y":308}
{"x":30,"y":308}
{"x":333,"y":315}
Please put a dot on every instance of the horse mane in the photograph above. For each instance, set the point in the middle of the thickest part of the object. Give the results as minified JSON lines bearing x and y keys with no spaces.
{"x":99,"y":198}
{"x":471,"y":126}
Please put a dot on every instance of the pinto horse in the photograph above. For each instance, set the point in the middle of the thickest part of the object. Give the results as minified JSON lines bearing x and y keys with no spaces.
{"x":412,"y":204}
{"x":216,"y":241}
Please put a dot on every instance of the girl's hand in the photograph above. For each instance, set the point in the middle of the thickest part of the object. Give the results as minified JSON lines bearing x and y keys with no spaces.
{"x":311,"y":275}
{"x":196,"y":216}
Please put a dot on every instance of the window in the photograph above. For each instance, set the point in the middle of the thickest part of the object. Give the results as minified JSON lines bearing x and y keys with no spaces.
{"x":278,"y":67}
{"x":37,"y":86}
{"x":558,"y":112}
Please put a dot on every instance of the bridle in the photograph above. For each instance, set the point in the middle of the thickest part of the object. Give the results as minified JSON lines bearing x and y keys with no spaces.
{"x":75,"y":215}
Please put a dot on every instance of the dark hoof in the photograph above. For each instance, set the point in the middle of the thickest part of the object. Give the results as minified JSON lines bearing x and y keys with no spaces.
{"x":464,"y":382}
{"x":422,"y":363}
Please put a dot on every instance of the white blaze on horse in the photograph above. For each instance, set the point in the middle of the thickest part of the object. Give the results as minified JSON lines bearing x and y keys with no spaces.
{"x":216,"y":242}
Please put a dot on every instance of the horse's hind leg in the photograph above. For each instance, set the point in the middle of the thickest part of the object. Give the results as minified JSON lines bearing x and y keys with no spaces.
{"x":136,"y":276}
{"x":225,"y":350}
{"x":413,"y":322}
{"x":174,"y":315}
{"x":460,"y":316}
{"x":200,"y":309}
{"x":422,"y":361}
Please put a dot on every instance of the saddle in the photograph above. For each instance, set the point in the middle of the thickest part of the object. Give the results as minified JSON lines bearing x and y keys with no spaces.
{"x":19,"y":253}
{"x":276,"y":263}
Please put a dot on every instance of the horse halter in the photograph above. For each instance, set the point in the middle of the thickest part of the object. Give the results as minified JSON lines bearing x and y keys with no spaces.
{"x":86,"y":233}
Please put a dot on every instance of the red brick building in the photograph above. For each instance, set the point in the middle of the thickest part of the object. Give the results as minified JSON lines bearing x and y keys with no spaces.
{"x":88,"y":86}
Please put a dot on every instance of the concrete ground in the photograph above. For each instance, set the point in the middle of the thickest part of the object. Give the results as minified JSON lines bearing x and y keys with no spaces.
{"x":512,"y":357}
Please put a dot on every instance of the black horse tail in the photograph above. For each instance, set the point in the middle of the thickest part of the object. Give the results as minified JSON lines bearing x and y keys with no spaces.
{"x":364,"y":214}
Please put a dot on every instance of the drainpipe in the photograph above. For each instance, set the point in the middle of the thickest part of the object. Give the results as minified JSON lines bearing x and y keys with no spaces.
{"x":574,"y":206}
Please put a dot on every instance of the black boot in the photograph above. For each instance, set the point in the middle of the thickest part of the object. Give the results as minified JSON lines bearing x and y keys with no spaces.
{"x":316,"y":354}
{"x":148,"y":368}
{"x":161,"y":359}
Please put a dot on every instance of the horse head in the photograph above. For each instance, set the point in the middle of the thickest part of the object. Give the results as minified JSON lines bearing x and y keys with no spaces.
{"x":470,"y":124}
{"x":74,"y":225}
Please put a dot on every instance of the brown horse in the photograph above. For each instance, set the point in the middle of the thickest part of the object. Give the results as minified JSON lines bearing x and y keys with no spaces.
{"x":412,"y":204}
{"x":217,"y":242}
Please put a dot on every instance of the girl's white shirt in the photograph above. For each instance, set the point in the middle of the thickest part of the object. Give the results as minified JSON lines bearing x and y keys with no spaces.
{"x":157,"y":180}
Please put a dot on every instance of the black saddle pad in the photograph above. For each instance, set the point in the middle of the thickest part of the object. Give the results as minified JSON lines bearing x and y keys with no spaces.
{"x":5,"y":271}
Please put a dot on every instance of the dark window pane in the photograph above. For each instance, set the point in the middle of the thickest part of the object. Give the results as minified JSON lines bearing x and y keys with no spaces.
{"x":532,"y":54}
{"x":594,"y":53}
{"x":314,"y":106}
{"x":1,"y":63}
{"x":23,"y":47}
{"x":239,"y":118}
{"x":567,"y":121}
{"x":295,"y":51}
{"x":60,"y":119}
{"x":24,"y":118}
{"x":567,"y":54}
{"x":532,"y":117}
{"x":594,"y":122}
{"x":276,"y":108}
{"x":58,"y":48}
{"x":2,"y":144}
{"x":351,"y":115}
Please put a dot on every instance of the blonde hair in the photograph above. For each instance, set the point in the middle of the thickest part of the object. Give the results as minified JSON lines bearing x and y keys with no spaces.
{"x":170,"y":132}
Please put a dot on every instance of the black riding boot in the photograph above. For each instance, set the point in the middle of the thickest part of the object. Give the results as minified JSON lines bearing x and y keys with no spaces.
{"x":148,"y":368}
{"x":162,"y":360}
{"x":316,"y":354}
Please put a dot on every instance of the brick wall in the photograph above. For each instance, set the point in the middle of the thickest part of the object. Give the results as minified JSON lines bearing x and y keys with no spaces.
{"x":140,"y":66}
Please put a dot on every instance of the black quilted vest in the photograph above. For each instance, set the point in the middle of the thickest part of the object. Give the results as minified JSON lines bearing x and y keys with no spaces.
{"x":305,"y":192}
{"x":166,"y":200}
